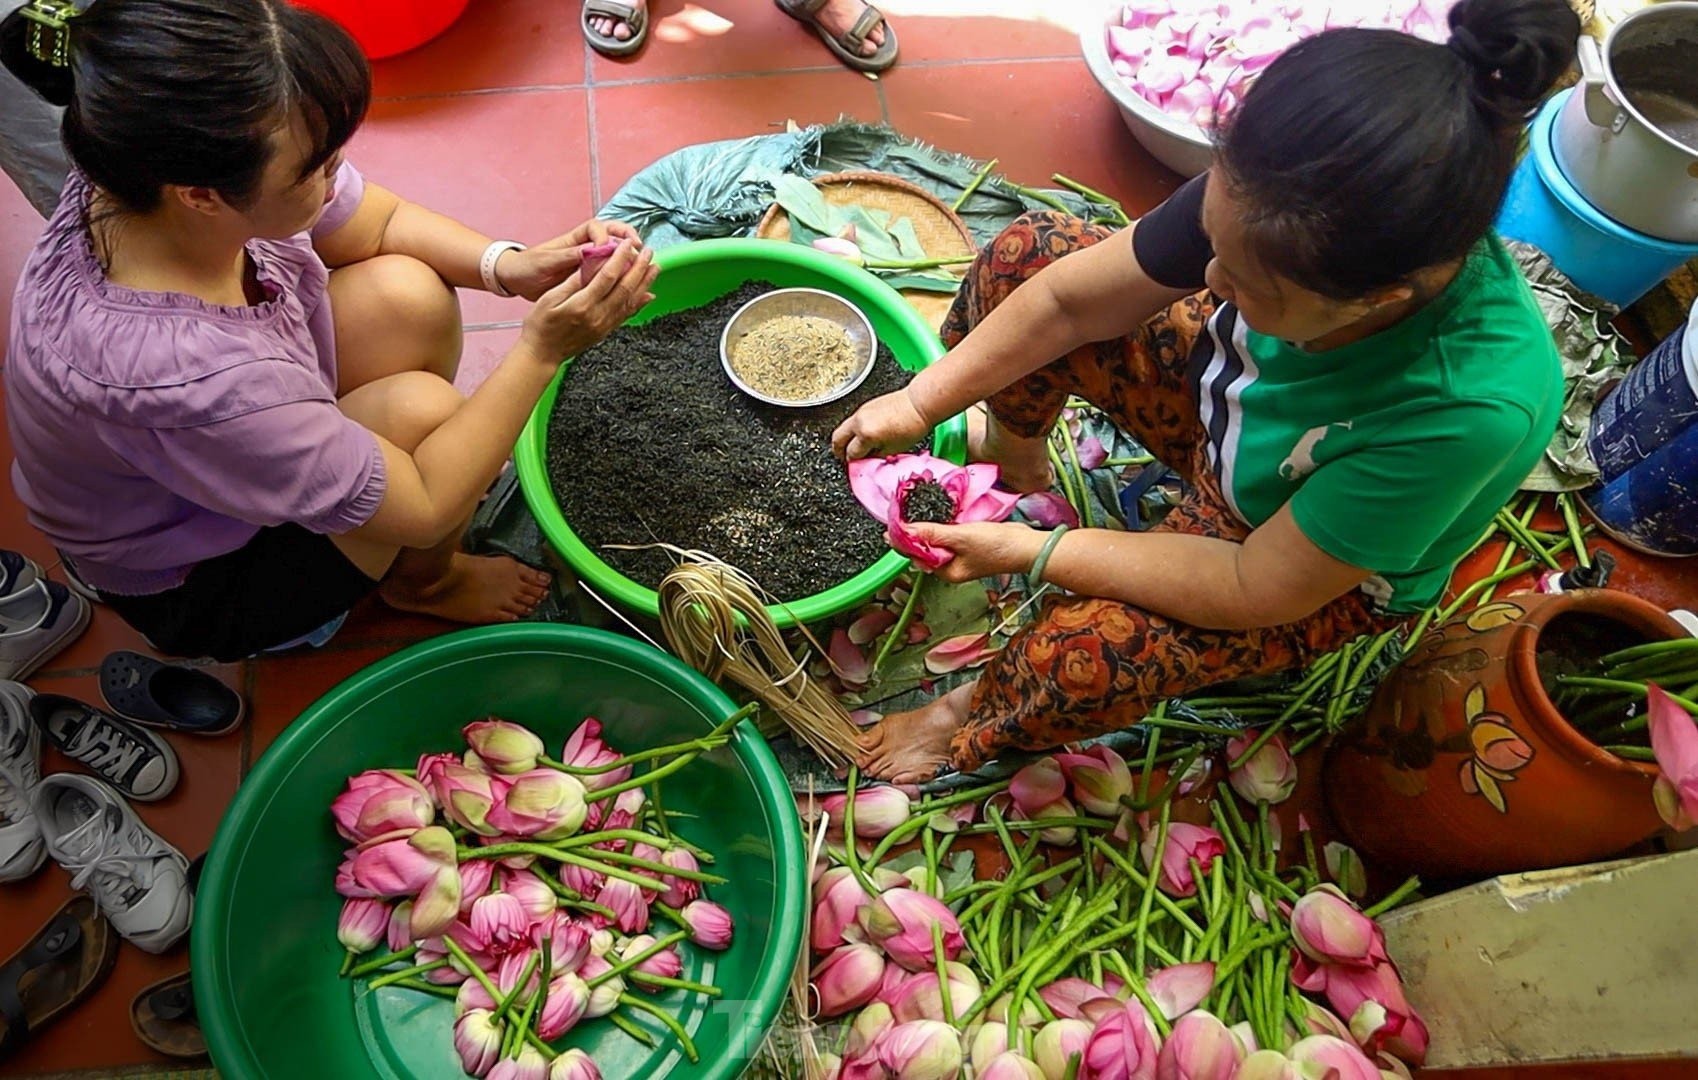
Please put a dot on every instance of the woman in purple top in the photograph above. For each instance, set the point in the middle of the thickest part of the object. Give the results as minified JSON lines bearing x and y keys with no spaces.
{"x":230,"y":361}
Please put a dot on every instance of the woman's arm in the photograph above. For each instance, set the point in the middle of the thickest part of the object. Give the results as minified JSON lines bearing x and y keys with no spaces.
{"x":1276,"y":576}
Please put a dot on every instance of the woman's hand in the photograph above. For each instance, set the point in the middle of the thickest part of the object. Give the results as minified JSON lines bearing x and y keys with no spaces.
{"x":888,"y":424}
{"x":534,"y":271}
{"x":982,"y":549}
{"x":572,"y":317}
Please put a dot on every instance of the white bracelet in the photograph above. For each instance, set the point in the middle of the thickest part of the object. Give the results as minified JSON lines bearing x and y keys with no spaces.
{"x":486,"y":265}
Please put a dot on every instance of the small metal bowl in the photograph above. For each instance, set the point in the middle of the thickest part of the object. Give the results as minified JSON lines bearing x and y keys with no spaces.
{"x":814,"y":302}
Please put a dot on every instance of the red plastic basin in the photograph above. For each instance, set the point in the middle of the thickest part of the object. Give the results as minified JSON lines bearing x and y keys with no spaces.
{"x":389,"y":27}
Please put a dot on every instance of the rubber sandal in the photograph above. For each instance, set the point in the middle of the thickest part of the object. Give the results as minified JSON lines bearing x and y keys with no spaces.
{"x":168,"y":696}
{"x":606,"y":44}
{"x":847,"y":48}
{"x":163,"y":1017}
{"x":63,"y":965}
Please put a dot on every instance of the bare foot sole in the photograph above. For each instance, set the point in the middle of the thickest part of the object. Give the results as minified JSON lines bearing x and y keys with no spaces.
{"x":1024,"y":462}
{"x":911,"y":747}
{"x":476,"y":589}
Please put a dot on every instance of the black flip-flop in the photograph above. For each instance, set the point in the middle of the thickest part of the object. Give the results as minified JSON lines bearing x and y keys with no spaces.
{"x":637,"y":18}
{"x":65,"y":963}
{"x":142,"y":689}
{"x":847,"y":47}
{"x":163,"y":1017}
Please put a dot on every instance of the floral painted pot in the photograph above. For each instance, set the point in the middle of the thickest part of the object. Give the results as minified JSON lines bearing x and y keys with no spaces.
{"x":1463,"y":765}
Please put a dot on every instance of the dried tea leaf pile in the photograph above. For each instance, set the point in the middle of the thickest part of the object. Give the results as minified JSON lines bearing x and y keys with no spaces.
{"x":650,"y":442}
{"x":795,"y":357}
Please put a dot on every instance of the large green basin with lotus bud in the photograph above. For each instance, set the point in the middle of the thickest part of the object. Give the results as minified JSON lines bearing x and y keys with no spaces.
{"x":264,"y":939}
{"x":695,"y":274}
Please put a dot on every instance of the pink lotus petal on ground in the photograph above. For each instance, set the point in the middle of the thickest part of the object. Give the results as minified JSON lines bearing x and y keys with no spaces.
{"x":865,"y":717}
{"x":1046,"y":509}
{"x":848,"y":662}
{"x":1180,"y":988}
{"x":1038,"y":785}
{"x":868,"y":627}
{"x":1092,"y":453}
{"x":956,"y":653}
{"x":918,"y":632}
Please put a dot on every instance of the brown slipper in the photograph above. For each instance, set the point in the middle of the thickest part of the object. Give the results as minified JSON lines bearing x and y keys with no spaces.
{"x":163,"y":1017}
{"x":63,"y":964}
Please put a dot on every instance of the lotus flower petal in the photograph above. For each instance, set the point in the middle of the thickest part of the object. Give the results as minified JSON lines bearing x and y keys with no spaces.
{"x":871,"y":626}
{"x":1046,"y":509}
{"x":1180,"y":988}
{"x":848,"y":661}
{"x":959,"y":653}
{"x":1674,"y":743}
{"x":1091,"y":452}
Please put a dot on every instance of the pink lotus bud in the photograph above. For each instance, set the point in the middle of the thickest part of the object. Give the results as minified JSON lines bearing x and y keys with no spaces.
{"x":631,"y":802}
{"x":1269,"y":776}
{"x":1184,"y":843}
{"x":1066,"y":998}
{"x":1200,"y":1047}
{"x":1056,"y":1043}
{"x":532,"y":893}
{"x":1011,"y":1066}
{"x":710,"y":925}
{"x":429,"y":769}
{"x":472,"y":997}
{"x":601,"y":943}
{"x":666,"y":963}
{"x":467,"y":796}
{"x":592,"y":257}
{"x":400,"y":931}
{"x":869,"y":1027}
{"x":604,"y":998}
{"x":847,"y":979}
{"x":629,"y":906}
{"x":1178,"y":989}
{"x":1123,"y":1046}
{"x":506,"y":748}
{"x":568,"y":998}
{"x":585,"y":750}
{"x":1029,"y":1015}
{"x":878,"y":810}
{"x":500,"y":923}
{"x":542,"y":804}
{"x":1036,"y":786}
{"x":1338,"y":1059}
{"x":1391,"y":1068}
{"x":362,"y":924}
{"x":1246,"y":1036}
{"x":529,"y":1065}
{"x":475,"y":878}
{"x":1320,"y":1020}
{"x":921,"y":998}
{"x":843,"y":249}
{"x":921,"y":1050}
{"x":1381,"y":1018}
{"x":421,"y":866}
{"x":381,"y":801}
{"x":507,"y":972}
{"x":1345,"y":867}
{"x":900,"y":922}
{"x":1329,"y":929}
{"x":478,"y":1042}
{"x":1061,"y":835}
{"x":568,"y":941}
{"x":839,"y":898}
{"x":1099,"y":778}
{"x":988,"y":1043}
{"x":574,"y":1064}
{"x":680,"y":891}
{"x":585,"y":882}
{"x":1674,"y":743}
{"x":1269,"y":1065}
{"x":894,"y":984}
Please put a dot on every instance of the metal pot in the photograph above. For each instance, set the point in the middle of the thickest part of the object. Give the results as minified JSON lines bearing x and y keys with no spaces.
{"x":1628,"y":137}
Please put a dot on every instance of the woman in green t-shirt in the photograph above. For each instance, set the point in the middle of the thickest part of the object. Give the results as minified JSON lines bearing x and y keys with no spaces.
{"x":1365,"y":382}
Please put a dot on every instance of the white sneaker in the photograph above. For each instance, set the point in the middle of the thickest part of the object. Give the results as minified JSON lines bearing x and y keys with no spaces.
{"x":22,"y":849}
{"x":138,"y":880}
{"x":17,"y":571}
{"x":35,"y":623}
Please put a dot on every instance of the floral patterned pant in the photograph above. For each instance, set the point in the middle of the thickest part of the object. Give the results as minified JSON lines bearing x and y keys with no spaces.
{"x":1088,"y":666}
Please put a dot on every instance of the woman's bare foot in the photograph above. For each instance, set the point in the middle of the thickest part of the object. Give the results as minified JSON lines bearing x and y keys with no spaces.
{"x":476,"y":589}
{"x":618,"y":29}
{"x":839,"y":16}
{"x":910,"y":747}
{"x":1024,"y":462}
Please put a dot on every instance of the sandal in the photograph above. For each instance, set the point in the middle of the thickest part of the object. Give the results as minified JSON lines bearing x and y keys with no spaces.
{"x":163,"y":1017}
{"x":142,"y":689}
{"x":637,"y":18}
{"x":847,"y":47}
{"x":63,"y":965}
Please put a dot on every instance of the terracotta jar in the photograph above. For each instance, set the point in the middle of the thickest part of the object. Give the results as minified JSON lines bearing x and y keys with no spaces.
{"x":1463,"y":765}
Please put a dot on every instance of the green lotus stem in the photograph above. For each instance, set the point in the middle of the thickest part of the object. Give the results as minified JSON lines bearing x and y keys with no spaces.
{"x":1524,"y":536}
{"x":621,"y":859}
{"x":1001,"y":983}
{"x":1632,"y":689}
{"x":501,"y":851}
{"x":625,"y":1024}
{"x":1072,"y":1070}
{"x":1155,"y":859}
{"x":546,"y":975}
{"x":1043,"y":197}
{"x":635,"y":836}
{"x":1092,"y":195}
{"x":1175,"y":777}
{"x":477,"y":973}
{"x":928,"y":846}
{"x":972,"y":186}
{"x":1631,"y":753}
{"x":1127,"y":462}
{"x":667,"y":983}
{"x":665,"y":770}
{"x":666,"y":1018}
{"x":660,"y":813}
{"x":382,"y":962}
{"x":1484,"y":584}
{"x":1648,"y":649}
{"x":1571,"y":519}
{"x":626,"y":964}
{"x":504,"y":1003}
{"x":899,"y":631}
{"x":1340,"y":676}
{"x":689,"y":746}
{"x":1087,"y":518}
{"x":1074,"y":498}
{"x":1256,"y":745}
{"x":548,"y":1052}
{"x":1393,"y":898}
{"x":1167,"y":903}
{"x":394,"y":977}
{"x":1015,"y":882}
{"x":917,"y":264}
{"x":348,"y":959}
{"x":447,"y":992}
{"x":942,"y":975}
{"x":523,"y":1025}
{"x":851,"y":857}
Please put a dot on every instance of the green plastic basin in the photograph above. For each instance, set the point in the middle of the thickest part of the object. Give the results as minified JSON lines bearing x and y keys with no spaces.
{"x":264,"y":939}
{"x":695,"y":274}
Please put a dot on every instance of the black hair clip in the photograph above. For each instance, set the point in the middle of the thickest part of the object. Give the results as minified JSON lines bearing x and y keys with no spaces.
{"x":49,"y":39}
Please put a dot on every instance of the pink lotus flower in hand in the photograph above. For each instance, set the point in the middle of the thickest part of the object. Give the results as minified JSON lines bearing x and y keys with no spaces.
{"x":680,"y":891}
{"x":592,"y":257}
{"x":1333,"y":1058}
{"x":886,"y":487}
{"x":568,"y":1000}
{"x":574,"y":1064}
{"x":1674,"y":743}
{"x":900,"y":922}
{"x":420,"y":866}
{"x":477,"y":1039}
{"x":1100,"y":778}
{"x":500,"y":924}
{"x":1184,"y":843}
{"x":506,"y":748}
{"x":381,"y":801}
{"x":585,"y":750}
{"x":710,"y":925}
{"x":847,"y":979}
{"x":1329,"y":929}
{"x":541,"y":804}
{"x":1200,"y":1047}
{"x":1123,"y":1046}
{"x":362,"y":924}
{"x":1270,"y":775}
{"x":921,"y":1050}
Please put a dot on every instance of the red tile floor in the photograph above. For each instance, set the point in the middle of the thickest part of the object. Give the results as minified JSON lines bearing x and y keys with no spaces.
{"x":512,"y":124}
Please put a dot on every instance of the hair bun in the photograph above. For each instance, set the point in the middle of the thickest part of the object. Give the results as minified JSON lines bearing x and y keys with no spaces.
{"x":1515,"y":50}
{"x":51,"y":82}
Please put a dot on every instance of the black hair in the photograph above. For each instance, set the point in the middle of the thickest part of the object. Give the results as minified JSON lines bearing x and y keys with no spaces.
{"x":189,"y":92}
{"x":1362,"y":156}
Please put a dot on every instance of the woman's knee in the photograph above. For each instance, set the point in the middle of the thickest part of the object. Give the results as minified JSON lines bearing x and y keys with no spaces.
{"x":404,"y":408}
{"x":408,"y":296}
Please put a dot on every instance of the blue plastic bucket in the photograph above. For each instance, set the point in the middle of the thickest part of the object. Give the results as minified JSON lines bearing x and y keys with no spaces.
{"x":1644,"y":437}
{"x":1597,"y":253}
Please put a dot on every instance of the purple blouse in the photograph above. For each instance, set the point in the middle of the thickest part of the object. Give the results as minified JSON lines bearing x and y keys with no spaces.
{"x":153,"y":430}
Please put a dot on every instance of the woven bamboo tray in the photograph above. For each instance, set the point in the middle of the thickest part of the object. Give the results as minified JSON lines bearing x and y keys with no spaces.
{"x":941,"y":232}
